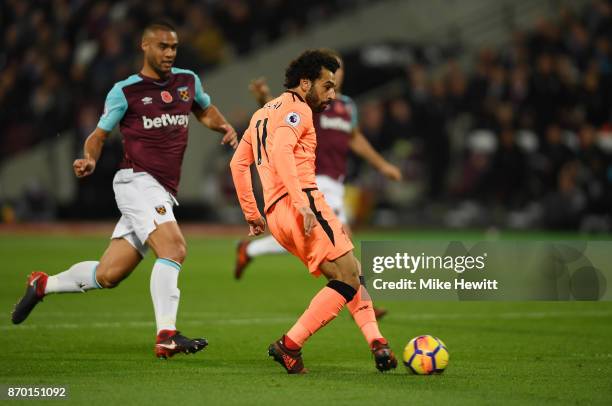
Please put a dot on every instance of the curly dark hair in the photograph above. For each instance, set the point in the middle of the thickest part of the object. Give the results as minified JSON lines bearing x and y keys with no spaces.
{"x":308,"y":66}
{"x":332,"y":52}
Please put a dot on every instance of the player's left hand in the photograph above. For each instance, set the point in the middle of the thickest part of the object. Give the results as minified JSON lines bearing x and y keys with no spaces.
{"x":310,"y":220}
{"x":257,"y":227}
{"x":83,"y":167}
{"x":230,"y":136}
{"x":391,"y":172}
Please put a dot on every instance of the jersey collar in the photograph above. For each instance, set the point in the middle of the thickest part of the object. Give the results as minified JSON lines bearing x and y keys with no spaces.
{"x":295,"y":95}
{"x":158,"y":82}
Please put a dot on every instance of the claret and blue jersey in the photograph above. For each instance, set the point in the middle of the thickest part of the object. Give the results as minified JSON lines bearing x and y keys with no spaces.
{"x":334,"y":127}
{"x":153,"y":118}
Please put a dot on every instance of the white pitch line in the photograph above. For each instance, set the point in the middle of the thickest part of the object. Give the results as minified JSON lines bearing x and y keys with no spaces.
{"x":505,"y":315}
{"x":206,"y":320}
{"x":141,"y":324}
{"x":143,"y":314}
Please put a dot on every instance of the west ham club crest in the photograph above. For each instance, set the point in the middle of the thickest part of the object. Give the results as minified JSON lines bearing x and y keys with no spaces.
{"x":183,"y":93}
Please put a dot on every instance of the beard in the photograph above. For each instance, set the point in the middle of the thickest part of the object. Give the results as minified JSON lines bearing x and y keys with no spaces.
{"x":157,"y":67}
{"x":315,"y":103}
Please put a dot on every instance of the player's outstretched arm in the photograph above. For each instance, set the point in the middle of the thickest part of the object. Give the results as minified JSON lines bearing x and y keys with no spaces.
{"x":241,"y":174}
{"x":360,"y":145}
{"x":212,"y":118}
{"x":260,"y":90}
{"x":91,"y":153}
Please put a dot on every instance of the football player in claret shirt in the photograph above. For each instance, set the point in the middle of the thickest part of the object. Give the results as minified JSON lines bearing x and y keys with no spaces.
{"x":281,"y":141}
{"x":152,"y":109}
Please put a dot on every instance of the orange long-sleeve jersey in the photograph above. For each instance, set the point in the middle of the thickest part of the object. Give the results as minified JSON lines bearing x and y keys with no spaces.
{"x":281,"y":140}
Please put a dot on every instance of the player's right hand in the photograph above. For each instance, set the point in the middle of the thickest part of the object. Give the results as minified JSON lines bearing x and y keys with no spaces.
{"x":257,"y":227}
{"x":310,"y":220}
{"x":260,"y":89}
{"x":83,"y":167}
{"x":229,"y":136}
{"x":392,"y":172}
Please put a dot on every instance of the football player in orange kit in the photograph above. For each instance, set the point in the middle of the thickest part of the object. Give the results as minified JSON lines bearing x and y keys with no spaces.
{"x":281,"y":141}
{"x":338,"y":134}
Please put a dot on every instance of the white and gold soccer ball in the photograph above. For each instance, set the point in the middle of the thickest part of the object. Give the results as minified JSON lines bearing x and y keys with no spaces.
{"x":426,"y":355}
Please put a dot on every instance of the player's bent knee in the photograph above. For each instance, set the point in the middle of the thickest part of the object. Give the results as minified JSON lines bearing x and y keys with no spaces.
{"x":347,"y":291}
{"x":350,"y":278}
{"x":176,"y":253}
{"x":107,"y":281}
{"x":348,"y":272}
{"x":181,"y":253}
{"x":330,"y":270}
{"x":110,"y":276}
{"x":346,"y":275}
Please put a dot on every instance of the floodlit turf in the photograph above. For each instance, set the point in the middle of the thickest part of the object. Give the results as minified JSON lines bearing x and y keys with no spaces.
{"x":100,"y":344}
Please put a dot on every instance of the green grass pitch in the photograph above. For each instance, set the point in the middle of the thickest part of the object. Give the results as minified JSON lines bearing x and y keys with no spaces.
{"x":100,"y":344}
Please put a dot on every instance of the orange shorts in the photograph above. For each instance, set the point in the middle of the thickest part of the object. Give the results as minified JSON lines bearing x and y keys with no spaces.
{"x":327,"y":241}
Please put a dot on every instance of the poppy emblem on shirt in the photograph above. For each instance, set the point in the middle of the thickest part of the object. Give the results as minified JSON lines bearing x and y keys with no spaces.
{"x":183,"y":93}
{"x":339,"y":108}
{"x":166,"y":96}
{"x":293,"y":119}
{"x":160,"y":210}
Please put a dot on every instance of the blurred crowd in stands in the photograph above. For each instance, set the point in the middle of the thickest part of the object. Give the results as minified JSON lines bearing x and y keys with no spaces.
{"x":525,"y":131}
{"x":59,"y":58}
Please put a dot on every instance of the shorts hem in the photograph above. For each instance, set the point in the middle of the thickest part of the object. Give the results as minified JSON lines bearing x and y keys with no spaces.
{"x":129,"y":241}
{"x":317,"y":270}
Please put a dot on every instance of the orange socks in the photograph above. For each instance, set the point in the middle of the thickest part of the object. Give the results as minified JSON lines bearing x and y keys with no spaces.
{"x":326,"y":305}
{"x":323,"y":308}
{"x":363,"y":313}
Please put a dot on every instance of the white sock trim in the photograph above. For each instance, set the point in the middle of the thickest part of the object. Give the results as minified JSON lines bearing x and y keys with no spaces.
{"x":95,"y":279}
{"x":170,"y":262}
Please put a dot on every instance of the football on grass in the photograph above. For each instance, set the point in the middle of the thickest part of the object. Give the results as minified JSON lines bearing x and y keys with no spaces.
{"x":426,"y":355}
